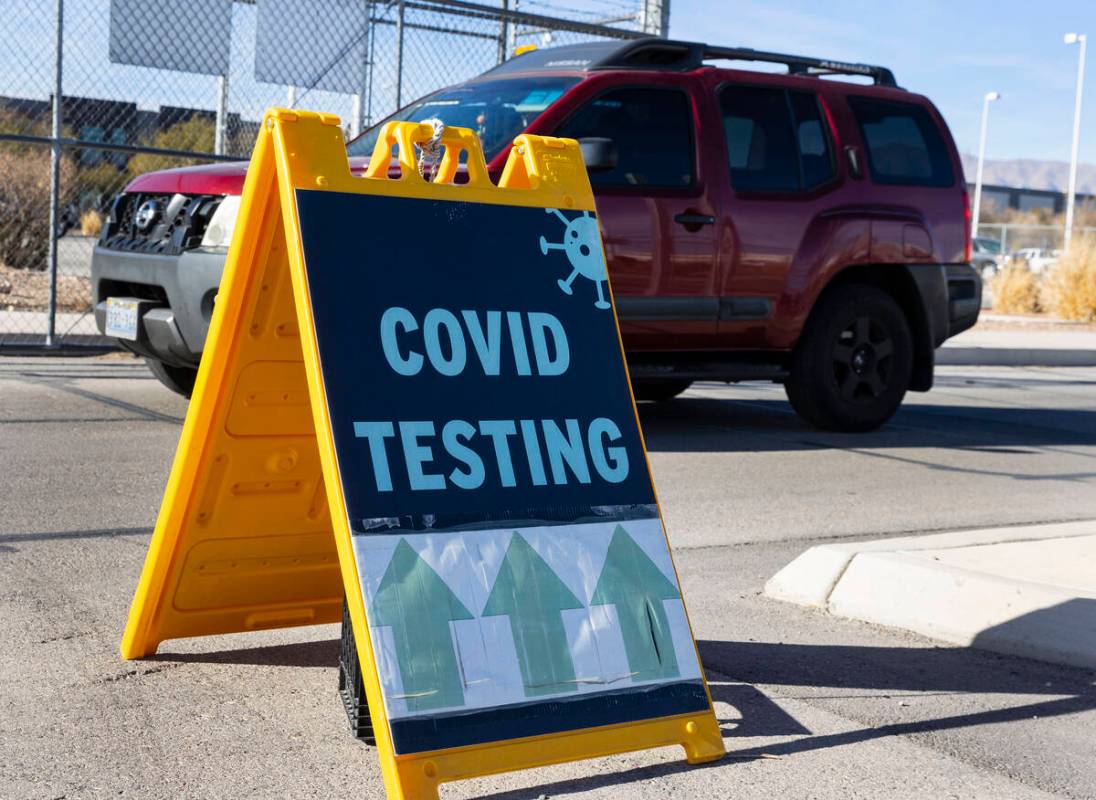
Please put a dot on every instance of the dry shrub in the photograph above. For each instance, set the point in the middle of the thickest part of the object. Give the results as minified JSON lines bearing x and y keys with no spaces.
{"x":91,"y":223}
{"x":1016,"y":291}
{"x":28,"y":290}
{"x":196,"y":133}
{"x":1071,"y":286}
{"x":1084,"y":216}
{"x":24,"y":205}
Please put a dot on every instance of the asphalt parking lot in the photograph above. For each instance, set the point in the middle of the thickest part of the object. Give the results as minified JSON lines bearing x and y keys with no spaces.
{"x":812,"y":706}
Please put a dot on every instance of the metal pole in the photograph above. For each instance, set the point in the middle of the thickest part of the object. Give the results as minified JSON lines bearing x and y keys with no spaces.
{"x":504,"y":32}
{"x":654,"y":17}
{"x":976,"y":214}
{"x":399,"y":55}
{"x":222,"y":114}
{"x":369,"y":59}
{"x":355,"y":115}
{"x":512,"y":44}
{"x":55,"y":171}
{"x":291,"y":96}
{"x":1071,"y":194}
{"x":358,"y":97}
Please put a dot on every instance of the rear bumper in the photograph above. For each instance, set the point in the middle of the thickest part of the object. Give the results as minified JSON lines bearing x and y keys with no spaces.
{"x":951,"y":298}
{"x":179,"y":292}
{"x":964,"y":297}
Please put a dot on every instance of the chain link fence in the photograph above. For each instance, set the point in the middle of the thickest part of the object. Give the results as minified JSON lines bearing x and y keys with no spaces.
{"x":148,"y":86}
{"x":1014,"y":237}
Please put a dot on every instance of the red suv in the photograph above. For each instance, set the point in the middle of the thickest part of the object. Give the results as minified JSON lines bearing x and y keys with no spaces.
{"x":758,"y":226}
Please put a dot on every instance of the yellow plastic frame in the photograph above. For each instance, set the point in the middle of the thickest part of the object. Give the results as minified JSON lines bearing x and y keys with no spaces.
{"x":244,"y":536}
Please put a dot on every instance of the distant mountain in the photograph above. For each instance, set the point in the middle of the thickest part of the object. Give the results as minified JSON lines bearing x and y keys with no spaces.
{"x":1028,"y":173}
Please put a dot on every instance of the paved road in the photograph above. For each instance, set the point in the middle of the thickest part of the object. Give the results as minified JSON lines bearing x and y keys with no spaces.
{"x":813,"y":707}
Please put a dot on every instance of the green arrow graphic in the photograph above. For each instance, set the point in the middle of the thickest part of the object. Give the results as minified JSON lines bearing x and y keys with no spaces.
{"x":631,"y":581}
{"x":533,"y":596}
{"x":415,"y":602}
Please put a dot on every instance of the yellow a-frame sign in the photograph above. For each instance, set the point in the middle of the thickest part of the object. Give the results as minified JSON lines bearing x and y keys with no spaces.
{"x":413,"y":394}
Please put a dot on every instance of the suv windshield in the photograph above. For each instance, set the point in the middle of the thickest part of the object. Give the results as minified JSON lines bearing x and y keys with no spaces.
{"x":497,"y":110}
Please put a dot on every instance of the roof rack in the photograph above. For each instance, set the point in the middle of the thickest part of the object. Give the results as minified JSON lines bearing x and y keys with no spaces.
{"x":802,"y":65}
{"x":668,"y":54}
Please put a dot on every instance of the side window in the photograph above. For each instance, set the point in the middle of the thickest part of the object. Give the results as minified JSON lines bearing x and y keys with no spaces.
{"x":652,"y":130}
{"x":903,"y":142}
{"x":815,"y":156}
{"x":776,"y":140}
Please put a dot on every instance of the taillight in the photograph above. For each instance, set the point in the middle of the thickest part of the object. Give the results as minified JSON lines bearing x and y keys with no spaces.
{"x":968,"y":232}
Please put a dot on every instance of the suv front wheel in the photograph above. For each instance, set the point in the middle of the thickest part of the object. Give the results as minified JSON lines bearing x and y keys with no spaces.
{"x":658,"y":390}
{"x":179,"y":379}
{"x":853,"y":362}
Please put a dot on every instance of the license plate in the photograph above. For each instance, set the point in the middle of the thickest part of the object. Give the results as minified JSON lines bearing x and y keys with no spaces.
{"x":122,"y":318}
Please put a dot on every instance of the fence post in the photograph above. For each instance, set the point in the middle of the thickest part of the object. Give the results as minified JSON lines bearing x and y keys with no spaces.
{"x":369,"y":66}
{"x":55,"y":172}
{"x":399,"y":55}
{"x":512,"y":45}
{"x":654,"y":17}
{"x":504,"y":32}
{"x":357,"y":98}
{"x":222,"y":113}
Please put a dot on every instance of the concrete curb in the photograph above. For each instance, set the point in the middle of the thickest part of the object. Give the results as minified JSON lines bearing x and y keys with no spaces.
{"x":904,"y":583}
{"x":1020,"y":357}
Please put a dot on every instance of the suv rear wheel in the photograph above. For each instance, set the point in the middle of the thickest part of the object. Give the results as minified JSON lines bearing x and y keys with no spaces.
{"x":852,"y":366}
{"x":179,"y":379}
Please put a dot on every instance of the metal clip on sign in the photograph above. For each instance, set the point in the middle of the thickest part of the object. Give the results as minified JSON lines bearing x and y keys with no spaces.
{"x":441,"y":429}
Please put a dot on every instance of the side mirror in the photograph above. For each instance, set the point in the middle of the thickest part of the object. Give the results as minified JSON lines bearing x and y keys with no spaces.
{"x":599,"y":154}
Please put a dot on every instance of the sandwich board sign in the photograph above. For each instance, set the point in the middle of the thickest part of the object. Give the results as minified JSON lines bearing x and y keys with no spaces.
{"x":414,"y":393}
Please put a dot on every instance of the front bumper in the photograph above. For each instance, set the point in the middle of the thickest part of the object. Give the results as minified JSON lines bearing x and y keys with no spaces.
{"x":178,"y":293}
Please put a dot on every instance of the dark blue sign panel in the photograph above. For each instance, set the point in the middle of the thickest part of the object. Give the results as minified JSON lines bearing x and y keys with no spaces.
{"x":516,"y":577}
{"x":469,"y":386}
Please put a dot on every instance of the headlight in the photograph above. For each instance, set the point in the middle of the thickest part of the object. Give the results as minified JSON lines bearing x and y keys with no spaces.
{"x":218,"y":232}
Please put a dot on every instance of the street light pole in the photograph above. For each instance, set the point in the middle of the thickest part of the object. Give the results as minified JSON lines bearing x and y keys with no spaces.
{"x":1071,"y":194}
{"x":989,"y":98}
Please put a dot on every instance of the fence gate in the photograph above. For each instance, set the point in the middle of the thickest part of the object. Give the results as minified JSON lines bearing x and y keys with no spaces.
{"x":96,"y":92}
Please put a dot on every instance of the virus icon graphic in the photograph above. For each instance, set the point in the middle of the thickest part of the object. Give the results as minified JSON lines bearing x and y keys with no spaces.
{"x":582,"y":245}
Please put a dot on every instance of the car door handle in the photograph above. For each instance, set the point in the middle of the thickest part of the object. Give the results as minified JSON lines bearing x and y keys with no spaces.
{"x":692,"y":220}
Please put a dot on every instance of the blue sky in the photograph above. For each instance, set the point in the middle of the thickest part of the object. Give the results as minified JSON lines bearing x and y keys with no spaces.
{"x":951,"y":50}
{"x":954,"y":51}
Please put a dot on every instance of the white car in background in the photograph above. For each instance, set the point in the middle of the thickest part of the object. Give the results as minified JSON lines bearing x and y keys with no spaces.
{"x":986,"y":256}
{"x":1036,"y":259}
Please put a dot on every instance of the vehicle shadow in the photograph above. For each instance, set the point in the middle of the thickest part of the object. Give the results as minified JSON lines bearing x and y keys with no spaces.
{"x":765,"y":424}
{"x":877,"y":671}
{"x":880,"y":671}
{"x":916,"y":670}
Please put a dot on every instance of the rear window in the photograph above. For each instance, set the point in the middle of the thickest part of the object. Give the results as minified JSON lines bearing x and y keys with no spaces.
{"x":904,"y":144}
{"x":776,"y":141}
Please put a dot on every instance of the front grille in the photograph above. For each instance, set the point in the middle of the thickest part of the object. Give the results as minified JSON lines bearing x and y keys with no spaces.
{"x":172,"y":223}
{"x":142,"y":291}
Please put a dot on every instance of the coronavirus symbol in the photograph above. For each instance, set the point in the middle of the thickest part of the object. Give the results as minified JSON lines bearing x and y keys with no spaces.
{"x":582,"y":244}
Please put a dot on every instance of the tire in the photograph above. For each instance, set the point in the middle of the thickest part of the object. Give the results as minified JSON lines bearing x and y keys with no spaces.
{"x":179,"y":379}
{"x":853,"y":363}
{"x":658,"y":391}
